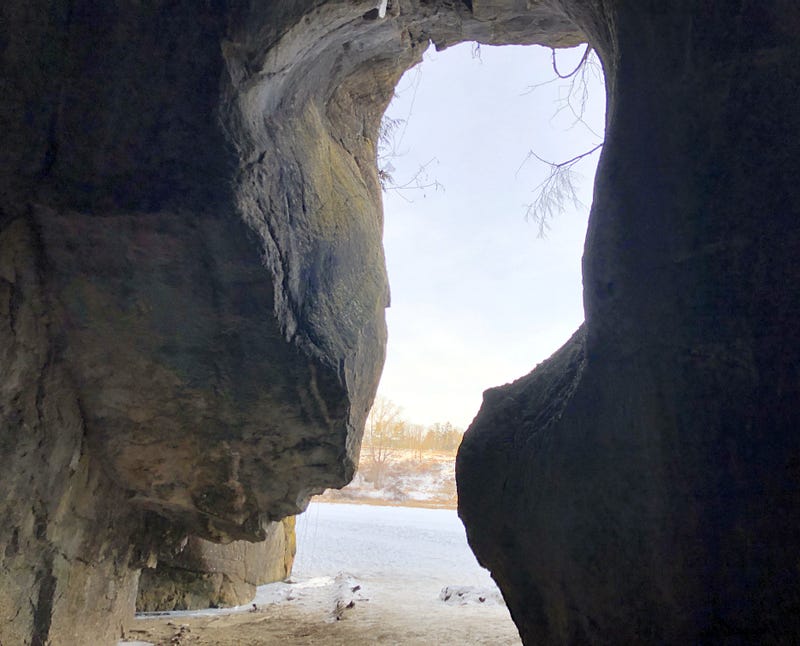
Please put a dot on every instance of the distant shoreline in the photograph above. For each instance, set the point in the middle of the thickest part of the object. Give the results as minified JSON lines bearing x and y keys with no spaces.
{"x":376,"y":502}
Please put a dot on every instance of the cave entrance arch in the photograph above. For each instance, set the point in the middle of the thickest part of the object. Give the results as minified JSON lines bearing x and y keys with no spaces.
{"x":213,"y":163}
{"x":450,"y":254}
{"x":608,"y":465}
{"x":479,"y":293}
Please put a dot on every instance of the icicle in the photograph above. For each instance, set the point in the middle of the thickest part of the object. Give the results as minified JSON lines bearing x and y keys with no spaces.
{"x":382,"y":8}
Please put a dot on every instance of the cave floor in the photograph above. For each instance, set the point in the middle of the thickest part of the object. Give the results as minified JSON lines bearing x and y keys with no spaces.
{"x":364,"y":575}
{"x":361,"y":625}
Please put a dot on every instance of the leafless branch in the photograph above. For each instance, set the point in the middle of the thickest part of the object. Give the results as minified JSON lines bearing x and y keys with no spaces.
{"x":583,"y":60}
{"x":556,"y":192}
{"x":420,"y":181}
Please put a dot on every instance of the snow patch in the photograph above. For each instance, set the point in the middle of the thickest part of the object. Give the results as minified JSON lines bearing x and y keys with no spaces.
{"x":396,"y":558}
{"x":347,"y":590}
{"x":335,"y":595}
{"x":464,"y":595}
{"x":406,"y":478}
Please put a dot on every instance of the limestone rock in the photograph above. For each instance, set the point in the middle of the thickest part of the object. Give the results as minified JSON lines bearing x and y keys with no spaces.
{"x":210,"y":575}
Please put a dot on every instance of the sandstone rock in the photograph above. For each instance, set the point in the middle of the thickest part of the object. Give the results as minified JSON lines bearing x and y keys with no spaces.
{"x":209,"y":575}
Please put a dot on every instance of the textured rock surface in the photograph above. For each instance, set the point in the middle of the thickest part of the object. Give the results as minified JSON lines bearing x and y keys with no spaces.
{"x":59,"y":549}
{"x":192,"y":284}
{"x":204,"y":574}
{"x":643,"y":486}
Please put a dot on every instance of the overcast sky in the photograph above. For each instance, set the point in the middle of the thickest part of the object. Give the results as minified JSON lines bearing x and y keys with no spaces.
{"x":477,"y":298}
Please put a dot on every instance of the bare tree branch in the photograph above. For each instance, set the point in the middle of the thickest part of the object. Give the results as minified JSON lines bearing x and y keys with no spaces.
{"x":556,"y":192}
{"x":583,"y":60}
{"x":390,"y":138}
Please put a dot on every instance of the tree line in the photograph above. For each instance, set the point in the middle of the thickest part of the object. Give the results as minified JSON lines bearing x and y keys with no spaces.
{"x":386,"y":429}
{"x":386,"y":432}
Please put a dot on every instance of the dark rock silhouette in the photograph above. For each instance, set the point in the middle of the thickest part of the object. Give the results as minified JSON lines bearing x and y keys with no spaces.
{"x":642,"y":486}
{"x":192,"y":285}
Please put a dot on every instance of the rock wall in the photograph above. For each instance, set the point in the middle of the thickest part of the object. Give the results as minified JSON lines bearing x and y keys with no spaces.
{"x":59,"y":550}
{"x":209,"y":575}
{"x":192,"y":289}
{"x":172,"y":362}
{"x":642,"y":485}
{"x":193,"y":282}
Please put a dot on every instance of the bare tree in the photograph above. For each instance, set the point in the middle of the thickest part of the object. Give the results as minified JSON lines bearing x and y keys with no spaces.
{"x":416,"y":440}
{"x":443,"y":437}
{"x":384,"y":423}
{"x":558,"y":190}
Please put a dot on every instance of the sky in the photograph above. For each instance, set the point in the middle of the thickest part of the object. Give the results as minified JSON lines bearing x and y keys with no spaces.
{"x":478,"y":298}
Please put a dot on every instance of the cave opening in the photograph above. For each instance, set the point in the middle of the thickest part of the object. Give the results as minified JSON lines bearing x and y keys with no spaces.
{"x":483,"y":233}
{"x":481,"y":291}
{"x":193,"y":291}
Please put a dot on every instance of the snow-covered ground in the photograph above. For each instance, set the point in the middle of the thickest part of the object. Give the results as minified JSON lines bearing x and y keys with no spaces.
{"x":426,"y":480}
{"x":405,"y":572}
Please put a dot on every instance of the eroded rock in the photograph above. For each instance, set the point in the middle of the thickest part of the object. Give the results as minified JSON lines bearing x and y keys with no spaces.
{"x":193,"y":283}
{"x":210,"y":575}
{"x":642,"y":486}
{"x":192,"y":289}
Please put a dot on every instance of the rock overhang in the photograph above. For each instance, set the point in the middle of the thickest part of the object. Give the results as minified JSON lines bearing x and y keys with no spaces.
{"x":197,"y":285}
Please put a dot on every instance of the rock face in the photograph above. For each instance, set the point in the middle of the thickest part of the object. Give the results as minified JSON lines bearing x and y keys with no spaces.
{"x":209,"y":575}
{"x":192,"y":289}
{"x":642,"y":485}
{"x":192,"y":282}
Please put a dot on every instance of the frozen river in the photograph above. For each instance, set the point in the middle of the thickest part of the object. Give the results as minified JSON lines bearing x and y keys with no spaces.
{"x":426,"y":548}
{"x":364,"y":575}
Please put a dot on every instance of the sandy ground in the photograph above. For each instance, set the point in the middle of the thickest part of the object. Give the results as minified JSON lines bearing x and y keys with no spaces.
{"x":364,"y":575}
{"x":364,"y":624}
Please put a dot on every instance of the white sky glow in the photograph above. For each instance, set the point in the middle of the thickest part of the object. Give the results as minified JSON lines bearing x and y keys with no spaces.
{"x":477,"y":298}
